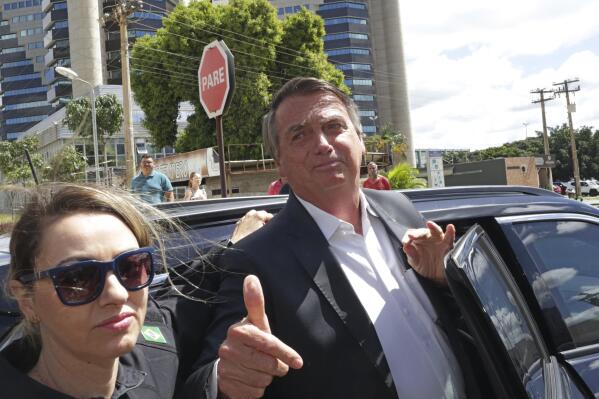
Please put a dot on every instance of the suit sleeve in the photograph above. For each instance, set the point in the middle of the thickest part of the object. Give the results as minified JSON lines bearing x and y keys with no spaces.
{"x":229,"y":309}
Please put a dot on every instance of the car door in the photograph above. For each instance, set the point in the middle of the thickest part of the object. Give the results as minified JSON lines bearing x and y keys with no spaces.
{"x":559,"y":257}
{"x":515,"y":355}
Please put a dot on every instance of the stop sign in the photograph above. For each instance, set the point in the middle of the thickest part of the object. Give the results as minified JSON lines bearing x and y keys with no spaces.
{"x":216,"y":78}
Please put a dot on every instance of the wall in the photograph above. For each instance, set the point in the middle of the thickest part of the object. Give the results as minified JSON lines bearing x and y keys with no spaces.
{"x":247,"y":183}
{"x":489,"y":172}
{"x":522,"y":171}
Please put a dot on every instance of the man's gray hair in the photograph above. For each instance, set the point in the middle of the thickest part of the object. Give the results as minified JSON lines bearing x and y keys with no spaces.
{"x":302,"y":86}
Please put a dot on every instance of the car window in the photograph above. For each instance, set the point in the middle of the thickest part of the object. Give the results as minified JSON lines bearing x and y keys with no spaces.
{"x":565,"y":254}
{"x":503,"y":307}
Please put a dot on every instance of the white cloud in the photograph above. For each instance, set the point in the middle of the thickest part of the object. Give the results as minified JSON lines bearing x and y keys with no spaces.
{"x":471,"y":66}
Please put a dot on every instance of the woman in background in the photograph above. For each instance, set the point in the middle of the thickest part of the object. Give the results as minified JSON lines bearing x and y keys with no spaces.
{"x":194,"y":191}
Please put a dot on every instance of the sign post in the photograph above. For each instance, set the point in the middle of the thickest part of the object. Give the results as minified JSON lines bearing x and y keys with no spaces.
{"x":216,"y":79}
{"x":434,"y":167}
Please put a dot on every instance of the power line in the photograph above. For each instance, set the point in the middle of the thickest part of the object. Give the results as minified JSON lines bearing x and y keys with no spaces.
{"x":373,"y":73}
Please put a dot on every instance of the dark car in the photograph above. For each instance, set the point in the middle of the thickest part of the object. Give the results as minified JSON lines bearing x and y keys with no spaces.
{"x":524,"y":273}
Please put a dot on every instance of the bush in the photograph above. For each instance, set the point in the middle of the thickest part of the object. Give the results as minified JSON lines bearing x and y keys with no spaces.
{"x":403,"y":176}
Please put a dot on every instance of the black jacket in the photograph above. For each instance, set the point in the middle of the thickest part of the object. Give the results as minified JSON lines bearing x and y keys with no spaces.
{"x":148,"y":372}
{"x":312,"y":307}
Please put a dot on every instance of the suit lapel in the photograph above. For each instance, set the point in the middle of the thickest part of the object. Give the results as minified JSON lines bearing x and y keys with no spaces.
{"x":312,"y":251}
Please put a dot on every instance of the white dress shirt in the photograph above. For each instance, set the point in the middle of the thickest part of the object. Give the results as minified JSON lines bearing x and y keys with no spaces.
{"x":419,"y":357}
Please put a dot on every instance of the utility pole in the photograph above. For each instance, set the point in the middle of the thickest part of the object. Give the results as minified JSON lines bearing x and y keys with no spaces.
{"x":119,"y":12}
{"x":564,"y":88}
{"x":541,"y":92}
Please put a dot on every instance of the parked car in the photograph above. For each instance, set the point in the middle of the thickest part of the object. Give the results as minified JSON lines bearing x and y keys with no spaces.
{"x":587,"y":187}
{"x":523,"y":273}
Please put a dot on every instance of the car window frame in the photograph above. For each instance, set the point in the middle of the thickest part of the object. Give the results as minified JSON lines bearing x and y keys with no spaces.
{"x":560,"y":382}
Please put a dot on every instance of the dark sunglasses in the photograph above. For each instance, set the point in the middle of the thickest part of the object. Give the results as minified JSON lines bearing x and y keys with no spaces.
{"x":82,"y":282}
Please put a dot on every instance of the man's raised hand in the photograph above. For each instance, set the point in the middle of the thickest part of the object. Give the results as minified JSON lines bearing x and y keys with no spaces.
{"x":251,"y":356}
{"x":426,"y":249}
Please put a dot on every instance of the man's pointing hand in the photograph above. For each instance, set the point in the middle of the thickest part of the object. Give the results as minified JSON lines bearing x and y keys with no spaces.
{"x":251,"y":356}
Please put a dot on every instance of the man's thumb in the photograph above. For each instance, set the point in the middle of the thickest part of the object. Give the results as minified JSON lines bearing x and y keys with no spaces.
{"x":254,"y":303}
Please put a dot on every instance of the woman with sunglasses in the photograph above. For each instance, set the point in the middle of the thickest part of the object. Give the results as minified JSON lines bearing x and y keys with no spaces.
{"x":81,"y":264}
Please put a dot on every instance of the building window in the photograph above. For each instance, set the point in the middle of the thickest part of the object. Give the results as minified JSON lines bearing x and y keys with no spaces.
{"x":33,"y":104}
{"x":11,"y":50}
{"x":146,"y":15}
{"x":31,"y":32}
{"x":35,"y":45}
{"x":22,"y":4}
{"x":369,"y":129}
{"x":363,"y":97}
{"x":61,"y":25}
{"x":4,"y":23}
{"x":335,"y":6}
{"x":60,"y":6}
{"x":354,"y":67}
{"x":358,"y":82}
{"x":367,"y":113}
{"x":16,"y":78}
{"x":140,"y":33}
{"x":27,"y":18}
{"x":30,"y":90}
{"x":62,"y":43}
{"x":344,"y":20}
{"x":348,"y":51}
{"x":27,"y":119}
{"x":64,"y":62}
{"x":345,"y":35}
{"x":39,"y":59}
{"x":16,"y":64}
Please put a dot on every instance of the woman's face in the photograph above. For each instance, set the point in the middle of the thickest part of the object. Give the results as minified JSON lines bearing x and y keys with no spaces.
{"x":195,"y":181}
{"x":107,"y":327}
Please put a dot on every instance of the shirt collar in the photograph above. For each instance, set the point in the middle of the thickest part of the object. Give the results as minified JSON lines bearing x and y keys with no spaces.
{"x":328,"y":224}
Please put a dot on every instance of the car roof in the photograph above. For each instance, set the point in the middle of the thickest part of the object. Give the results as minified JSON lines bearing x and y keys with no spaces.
{"x":440,"y":204}
{"x":473,"y":202}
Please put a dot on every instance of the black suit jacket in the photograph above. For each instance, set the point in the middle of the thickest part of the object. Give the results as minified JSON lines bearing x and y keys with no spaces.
{"x":310,"y":305}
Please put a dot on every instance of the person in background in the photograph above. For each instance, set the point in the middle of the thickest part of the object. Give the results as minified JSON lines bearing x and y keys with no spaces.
{"x":275,"y":187}
{"x":150,"y":184}
{"x":194,"y":190}
{"x":374,"y":180}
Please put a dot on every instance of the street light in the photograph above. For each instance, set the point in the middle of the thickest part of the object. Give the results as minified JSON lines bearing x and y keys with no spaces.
{"x":72,"y":75}
{"x":525,"y":124}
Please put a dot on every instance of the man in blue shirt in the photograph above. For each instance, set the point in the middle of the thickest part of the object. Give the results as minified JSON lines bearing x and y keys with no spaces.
{"x":150,"y":184}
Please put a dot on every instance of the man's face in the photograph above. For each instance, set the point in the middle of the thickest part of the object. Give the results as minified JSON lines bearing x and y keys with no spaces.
{"x":147,"y":166}
{"x":372,"y":170}
{"x":319,"y":148}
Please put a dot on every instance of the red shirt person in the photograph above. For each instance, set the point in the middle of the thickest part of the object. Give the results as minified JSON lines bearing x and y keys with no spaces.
{"x":275,"y":187}
{"x":374,"y":180}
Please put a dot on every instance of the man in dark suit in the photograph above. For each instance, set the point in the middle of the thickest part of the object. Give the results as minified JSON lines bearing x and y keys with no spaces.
{"x":337,"y":288}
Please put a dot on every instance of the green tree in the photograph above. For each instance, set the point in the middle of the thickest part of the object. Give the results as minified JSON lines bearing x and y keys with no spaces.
{"x":109,"y":118}
{"x":389,"y":140}
{"x":404,"y":176}
{"x":13,"y":162}
{"x":67,"y":165}
{"x":267,"y":52}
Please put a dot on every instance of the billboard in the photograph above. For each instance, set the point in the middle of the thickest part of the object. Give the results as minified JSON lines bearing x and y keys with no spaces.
{"x":178,"y":167}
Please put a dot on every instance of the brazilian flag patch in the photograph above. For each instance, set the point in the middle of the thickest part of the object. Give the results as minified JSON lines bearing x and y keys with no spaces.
{"x":153,"y":334}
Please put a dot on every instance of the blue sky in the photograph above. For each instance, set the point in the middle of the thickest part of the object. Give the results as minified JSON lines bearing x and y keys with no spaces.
{"x":472,"y":64}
